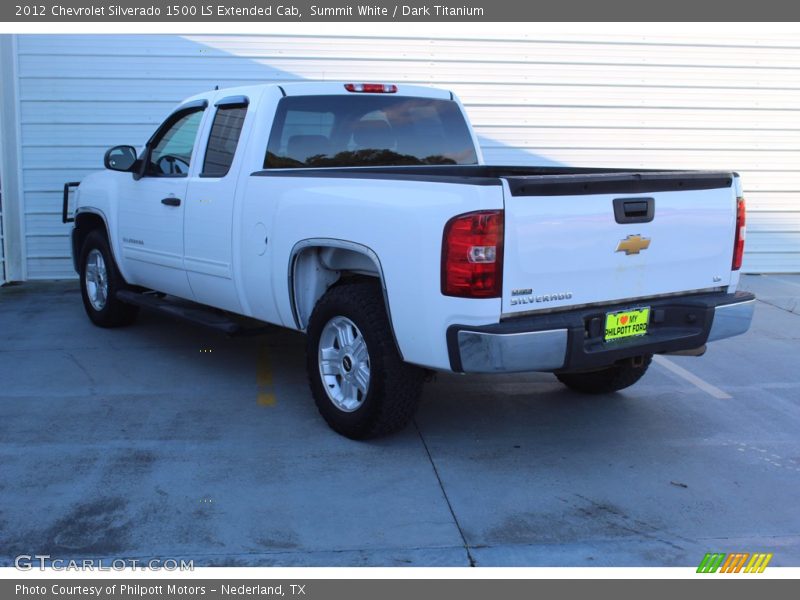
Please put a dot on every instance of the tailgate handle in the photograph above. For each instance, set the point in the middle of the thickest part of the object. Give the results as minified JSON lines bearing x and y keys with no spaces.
{"x":634,"y":210}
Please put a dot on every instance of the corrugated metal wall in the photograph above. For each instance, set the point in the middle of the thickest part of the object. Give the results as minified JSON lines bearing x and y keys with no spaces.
{"x":601,"y":100}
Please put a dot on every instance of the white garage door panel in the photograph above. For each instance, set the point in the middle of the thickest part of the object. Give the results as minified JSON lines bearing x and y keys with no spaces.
{"x":763,"y":222}
{"x":184,"y":67}
{"x":67,"y":157}
{"x":43,"y":244}
{"x":666,"y":117}
{"x":762,"y":241}
{"x":203,"y":66}
{"x":629,"y":76}
{"x":314,"y":47}
{"x":51,"y":180}
{"x":50,"y":267}
{"x":771,"y":262}
{"x":63,"y":134}
{"x":770,"y":181}
{"x":657,"y":138}
{"x":771,"y":201}
{"x":645,"y":157}
{"x":639,"y":97}
{"x":107,"y":89}
{"x":598,"y":99}
{"x":43,"y":224}
{"x":48,"y":202}
{"x":80,"y":113}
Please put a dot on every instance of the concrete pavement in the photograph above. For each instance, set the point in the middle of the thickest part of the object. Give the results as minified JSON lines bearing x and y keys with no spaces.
{"x":167,"y":440}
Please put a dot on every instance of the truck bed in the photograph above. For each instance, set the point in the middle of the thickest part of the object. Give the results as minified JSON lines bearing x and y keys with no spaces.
{"x":568,"y":231}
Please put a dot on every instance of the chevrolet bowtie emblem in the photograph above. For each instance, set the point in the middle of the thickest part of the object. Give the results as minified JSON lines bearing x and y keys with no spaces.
{"x":633,"y":244}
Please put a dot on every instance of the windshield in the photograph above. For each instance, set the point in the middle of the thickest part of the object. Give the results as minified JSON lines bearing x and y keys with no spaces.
{"x":367,"y":131}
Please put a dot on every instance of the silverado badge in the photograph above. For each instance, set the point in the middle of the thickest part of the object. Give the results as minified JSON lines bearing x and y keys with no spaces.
{"x":633,"y":244}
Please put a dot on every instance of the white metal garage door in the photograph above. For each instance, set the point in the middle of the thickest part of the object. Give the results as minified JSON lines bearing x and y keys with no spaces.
{"x":550,"y":97}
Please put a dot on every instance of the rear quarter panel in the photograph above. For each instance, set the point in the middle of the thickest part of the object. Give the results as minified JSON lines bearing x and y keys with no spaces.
{"x":400,"y":221}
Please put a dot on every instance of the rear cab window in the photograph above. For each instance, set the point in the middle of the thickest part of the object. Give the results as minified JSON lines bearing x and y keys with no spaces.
{"x":369,"y":130}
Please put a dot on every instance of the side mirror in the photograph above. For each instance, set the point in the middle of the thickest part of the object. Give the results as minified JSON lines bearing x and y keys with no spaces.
{"x":120,"y":158}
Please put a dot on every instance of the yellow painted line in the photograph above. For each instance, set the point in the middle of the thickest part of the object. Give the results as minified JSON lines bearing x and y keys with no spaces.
{"x":709,"y":389}
{"x":266,"y":395}
{"x":264,"y":368}
{"x":266,"y":399}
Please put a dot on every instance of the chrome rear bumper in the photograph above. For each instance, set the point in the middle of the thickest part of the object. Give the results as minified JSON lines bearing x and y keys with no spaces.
{"x":731,"y":320}
{"x":512,"y":352}
{"x":570,"y":339}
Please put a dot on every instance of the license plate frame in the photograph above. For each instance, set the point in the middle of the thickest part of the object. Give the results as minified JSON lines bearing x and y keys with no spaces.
{"x":627,"y":323}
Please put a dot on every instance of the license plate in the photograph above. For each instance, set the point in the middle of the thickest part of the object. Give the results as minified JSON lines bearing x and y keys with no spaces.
{"x":626,"y":323}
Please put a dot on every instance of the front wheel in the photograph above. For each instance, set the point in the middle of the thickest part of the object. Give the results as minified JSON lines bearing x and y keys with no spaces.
{"x":610,"y":379}
{"x":100,"y":282}
{"x":361,"y":386}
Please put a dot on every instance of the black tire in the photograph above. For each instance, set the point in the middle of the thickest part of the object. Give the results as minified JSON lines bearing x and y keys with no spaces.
{"x":611,"y":379}
{"x":394,"y":387}
{"x":113,"y":313}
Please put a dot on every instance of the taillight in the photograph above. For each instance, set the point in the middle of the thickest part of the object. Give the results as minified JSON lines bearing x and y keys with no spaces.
{"x":738,"y":240}
{"x":371,"y":88}
{"x":472,"y":255}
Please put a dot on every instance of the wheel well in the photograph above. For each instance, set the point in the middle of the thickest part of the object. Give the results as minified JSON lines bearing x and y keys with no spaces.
{"x":85,"y":223}
{"x":316,"y":268}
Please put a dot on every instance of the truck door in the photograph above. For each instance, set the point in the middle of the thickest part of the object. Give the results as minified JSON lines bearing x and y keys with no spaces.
{"x":208,"y":257}
{"x":151,"y":209}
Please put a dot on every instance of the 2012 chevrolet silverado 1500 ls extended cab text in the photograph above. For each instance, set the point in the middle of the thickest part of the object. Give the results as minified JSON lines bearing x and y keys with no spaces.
{"x":363,"y":215}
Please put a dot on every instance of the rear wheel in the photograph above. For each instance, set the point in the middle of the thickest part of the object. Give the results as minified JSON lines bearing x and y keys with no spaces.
{"x":361,"y":386}
{"x":100,"y":282}
{"x":610,"y":379}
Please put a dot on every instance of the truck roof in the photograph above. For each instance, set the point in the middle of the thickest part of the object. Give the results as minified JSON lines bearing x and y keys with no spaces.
{"x":321,"y":88}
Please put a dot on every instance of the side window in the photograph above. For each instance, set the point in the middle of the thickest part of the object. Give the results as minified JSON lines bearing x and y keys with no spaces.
{"x":171,"y":152}
{"x":223,"y":139}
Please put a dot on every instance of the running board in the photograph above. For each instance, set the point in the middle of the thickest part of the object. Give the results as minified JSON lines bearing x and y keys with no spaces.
{"x":194,"y":313}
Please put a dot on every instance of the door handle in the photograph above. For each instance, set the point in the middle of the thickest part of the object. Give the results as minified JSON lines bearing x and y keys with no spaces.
{"x":171,"y":201}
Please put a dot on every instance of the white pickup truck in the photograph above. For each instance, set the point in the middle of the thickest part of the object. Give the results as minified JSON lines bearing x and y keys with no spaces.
{"x":363,"y":215}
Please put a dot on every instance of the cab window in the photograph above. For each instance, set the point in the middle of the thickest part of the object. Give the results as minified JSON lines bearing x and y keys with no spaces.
{"x":223,"y":140}
{"x":368,"y":130}
{"x":172,"y":146}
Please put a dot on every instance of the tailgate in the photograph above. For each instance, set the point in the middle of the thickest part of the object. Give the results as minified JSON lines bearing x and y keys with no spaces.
{"x":575,"y":240}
